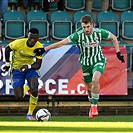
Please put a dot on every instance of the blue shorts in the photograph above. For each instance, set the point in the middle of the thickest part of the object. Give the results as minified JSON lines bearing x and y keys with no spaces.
{"x":18,"y":77}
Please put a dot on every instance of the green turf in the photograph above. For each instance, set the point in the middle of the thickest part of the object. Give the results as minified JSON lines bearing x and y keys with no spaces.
{"x":68,"y":124}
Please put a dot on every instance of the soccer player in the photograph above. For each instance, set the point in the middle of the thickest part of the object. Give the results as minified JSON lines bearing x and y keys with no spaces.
{"x":24,"y":66}
{"x":92,"y":60}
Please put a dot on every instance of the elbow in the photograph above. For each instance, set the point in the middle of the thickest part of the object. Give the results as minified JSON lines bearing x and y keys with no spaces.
{"x":38,"y":67}
{"x":113,"y":38}
{"x":7,"y":49}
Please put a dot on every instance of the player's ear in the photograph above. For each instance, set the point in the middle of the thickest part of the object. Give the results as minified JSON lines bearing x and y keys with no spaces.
{"x":93,"y":24}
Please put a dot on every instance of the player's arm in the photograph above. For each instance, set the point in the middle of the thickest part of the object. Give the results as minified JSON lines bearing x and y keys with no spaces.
{"x":7,"y":53}
{"x":34,"y":66}
{"x":40,"y":51}
{"x":7,"y":58}
{"x":57,"y":44}
{"x":37,"y":65}
{"x":115,"y":42}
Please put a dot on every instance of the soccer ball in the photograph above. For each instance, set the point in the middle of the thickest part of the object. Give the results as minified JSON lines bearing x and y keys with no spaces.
{"x":43,"y":115}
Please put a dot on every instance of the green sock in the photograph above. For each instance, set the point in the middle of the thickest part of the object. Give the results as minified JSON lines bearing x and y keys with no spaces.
{"x":95,"y":98}
{"x":90,"y":99}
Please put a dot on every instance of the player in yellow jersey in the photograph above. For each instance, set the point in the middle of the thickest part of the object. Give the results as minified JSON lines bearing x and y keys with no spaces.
{"x":23,"y":65}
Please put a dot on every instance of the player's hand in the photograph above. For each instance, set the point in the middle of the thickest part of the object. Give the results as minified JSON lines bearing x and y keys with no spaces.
{"x":6,"y":67}
{"x":25,"y":67}
{"x":120,"y":57}
{"x":39,"y":51}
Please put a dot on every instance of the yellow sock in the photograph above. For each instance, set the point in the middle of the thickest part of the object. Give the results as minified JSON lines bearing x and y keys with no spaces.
{"x":32,"y":104}
{"x":25,"y":88}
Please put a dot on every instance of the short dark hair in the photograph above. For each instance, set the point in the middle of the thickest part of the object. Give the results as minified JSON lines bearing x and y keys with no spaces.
{"x":34,"y":31}
{"x":86,"y":19}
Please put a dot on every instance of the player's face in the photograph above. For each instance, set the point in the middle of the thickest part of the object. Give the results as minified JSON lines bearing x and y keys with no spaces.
{"x":32,"y":39}
{"x":87,"y":28}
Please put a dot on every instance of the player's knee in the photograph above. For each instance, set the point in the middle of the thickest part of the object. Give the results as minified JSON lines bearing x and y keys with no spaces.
{"x":34,"y":93}
{"x":95,"y":82}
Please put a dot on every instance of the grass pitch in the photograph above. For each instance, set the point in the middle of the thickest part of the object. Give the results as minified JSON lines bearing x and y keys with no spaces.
{"x":68,"y":124}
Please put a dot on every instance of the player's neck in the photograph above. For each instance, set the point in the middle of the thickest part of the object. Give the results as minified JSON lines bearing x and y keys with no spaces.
{"x":27,"y":43}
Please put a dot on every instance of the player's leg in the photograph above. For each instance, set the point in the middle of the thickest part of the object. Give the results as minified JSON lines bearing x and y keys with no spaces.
{"x":89,"y":86}
{"x":87,"y":77}
{"x":97,"y":71}
{"x":33,"y":82}
{"x":17,"y":83}
{"x":18,"y":91}
{"x":95,"y":92}
{"x":32,"y":78}
{"x":26,"y":89}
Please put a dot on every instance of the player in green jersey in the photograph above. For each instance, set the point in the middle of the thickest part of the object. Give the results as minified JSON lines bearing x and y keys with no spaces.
{"x":23,"y":65}
{"x":92,"y":60}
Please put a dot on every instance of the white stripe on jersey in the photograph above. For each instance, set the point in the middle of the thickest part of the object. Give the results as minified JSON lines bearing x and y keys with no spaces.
{"x":90,"y":48}
{"x":79,"y":32}
{"x":95,"y":58}
{"x":101,"y":64}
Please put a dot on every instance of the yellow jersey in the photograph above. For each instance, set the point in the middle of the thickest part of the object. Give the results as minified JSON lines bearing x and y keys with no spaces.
{"x":22,"y":54}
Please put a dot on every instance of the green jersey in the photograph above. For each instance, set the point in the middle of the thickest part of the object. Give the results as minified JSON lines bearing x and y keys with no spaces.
{"x":89,"y":45}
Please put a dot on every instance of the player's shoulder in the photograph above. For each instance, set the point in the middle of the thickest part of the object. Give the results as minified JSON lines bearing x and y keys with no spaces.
{"x":97,"y":29}
{"x":39,"y":44}
{"x":19,"y":40}
{"x":79,"y":30}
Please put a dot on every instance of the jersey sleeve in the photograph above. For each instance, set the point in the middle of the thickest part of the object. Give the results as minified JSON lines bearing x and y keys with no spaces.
{"x":73,"y":37}
{"x":39,"y":57}
{"x":39,"y":45}
{"x":13,"y":45}
{"x":105,"y":34}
